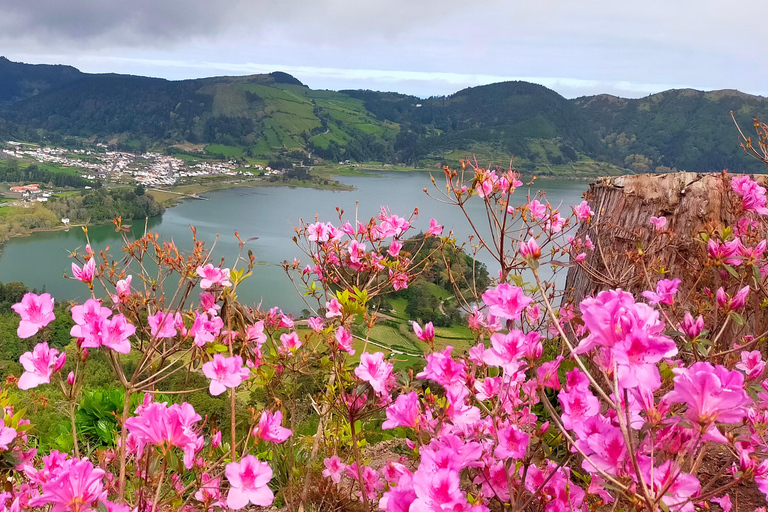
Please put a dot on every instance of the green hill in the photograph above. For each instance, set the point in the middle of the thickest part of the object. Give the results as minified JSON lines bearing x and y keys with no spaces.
{"x":682,"y":128}
{"x":272,"y":115}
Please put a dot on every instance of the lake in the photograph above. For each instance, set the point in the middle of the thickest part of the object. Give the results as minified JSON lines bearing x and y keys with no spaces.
{"x":269,"y":213}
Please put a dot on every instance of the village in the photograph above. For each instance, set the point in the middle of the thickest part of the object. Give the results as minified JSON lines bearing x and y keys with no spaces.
{"x":109,"y":166}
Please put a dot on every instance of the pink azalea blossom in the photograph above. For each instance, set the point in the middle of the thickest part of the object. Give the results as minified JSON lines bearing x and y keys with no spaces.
{"x":162,"y":325}
{"x":76,"y":486}
{"x":225,"y":372}
{"x":530,"y":250}
{"x":394,"y":248}
{"x":7,"y":435}
{"x":209,"y":492}
{"x":270,"y":427}
{"x":513,"y":443}
{"x":737,"y":302}
{"x":213,"y":276}
{"x":162,"y":425}
{"x":632,"y":332}
{"x":289,"y":343}
{"x":334,"y":468}
{"x":404,"y":412}
{"x":583,"y":211}
{"x":115,"y":333}
{"x":36,"y":312}
{"x":752,"y":364}
{"x":399,"y":280}
{"x":208,"y":303}
{"x":204,"y":329}
{"x":691,"y":327}
{"x":506,"y":301}
{"x":85,"y":274}
{"x":426,"y":334}
{"x":724,"y":502}
{"x":752,"y":194}
{"x":665,"y":292}
{"x":122,"y":290}
{"x":333,"y":308}
{"x":375,"y":371}
{"x":344,"y":340}
{"x":248,"y":481}
{"x":538,"y":210}
{"x":658,"y":223}
{"x":39,"y":365}
{"x":315,"y":323}
{"x":713,"y":394}
{"x":434,"y":228}
{"x":216,"y":440}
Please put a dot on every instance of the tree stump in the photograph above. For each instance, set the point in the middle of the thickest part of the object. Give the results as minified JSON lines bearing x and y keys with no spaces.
{"x":693,"y":203}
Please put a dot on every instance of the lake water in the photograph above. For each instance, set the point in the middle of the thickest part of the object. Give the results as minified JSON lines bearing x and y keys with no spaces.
{"x":269,"y":213}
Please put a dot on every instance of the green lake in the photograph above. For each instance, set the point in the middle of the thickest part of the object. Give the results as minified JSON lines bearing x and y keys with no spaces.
{"x":269,"y":213}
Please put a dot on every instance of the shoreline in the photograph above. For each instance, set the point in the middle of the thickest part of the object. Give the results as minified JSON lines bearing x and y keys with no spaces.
{"x":174,"y":196}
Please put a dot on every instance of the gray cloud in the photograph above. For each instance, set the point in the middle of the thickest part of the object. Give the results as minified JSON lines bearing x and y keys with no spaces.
{"x":417,"y":46}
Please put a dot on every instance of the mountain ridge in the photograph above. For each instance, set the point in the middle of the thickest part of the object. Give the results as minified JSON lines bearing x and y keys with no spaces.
{"x":263,"y":115}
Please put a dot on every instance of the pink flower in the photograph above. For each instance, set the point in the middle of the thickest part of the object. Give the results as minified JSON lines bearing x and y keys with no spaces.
{"x":375,"y":371}
{"x":713,"y":394}
{"x":724,"y":502}
{"x":737,"y":302}
{"x":216,"y":440}
{"x":86,"y":273}
{"x":333,"y":308}
{"x":334,"y":468}
{"x":76,"y":486}
{"x":315,"y":323}
{"x":205,"y":330}
{"x":752,"y":194}
{"x":632,"y":332}
{"x":434,"y":228}
{"x":513,"y":443}
{"x":404,"y":412}
{"x":122,"y":290}
{"x":506,"y":301}
{"x":658,"y":223}
{"x":162,"y":325}
{"x":583,"y":211}
{"x":426,"y":334}
{"x":665,"y":292}
{"x":36,"y":312}
{"x":225,"y":372}
{"x":437,"y":489}
{"x":691,"y":327}
{"x":752,"y":364}
{"x":530,"y":250}
{"x":270,"y":427}
{"x":209,"y":492}
{"x":164,"y":426}
{"x":7,"y":435}
{"x":538,"y":210}
{"x":115,"y":334}
{"x":344,"y":340}
{"x":290,"y":343}
{"x":208,"y":303}
{"x":399,"y":280}
{"x":39,"y":365}
{"x":213,"y":276}
{"x":248,"y":481}
{"x":394,"y":248}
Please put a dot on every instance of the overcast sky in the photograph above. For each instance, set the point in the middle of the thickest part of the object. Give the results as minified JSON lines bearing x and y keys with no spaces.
{"x":422,"y":47}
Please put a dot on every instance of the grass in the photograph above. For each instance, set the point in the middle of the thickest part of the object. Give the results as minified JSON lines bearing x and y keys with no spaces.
{"x":225,"y":151}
